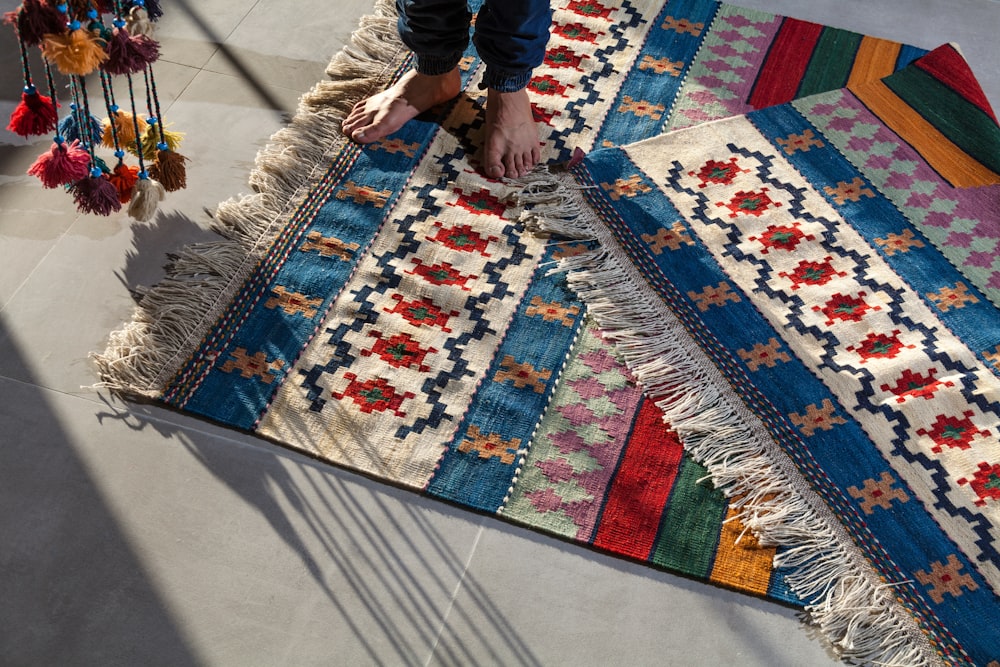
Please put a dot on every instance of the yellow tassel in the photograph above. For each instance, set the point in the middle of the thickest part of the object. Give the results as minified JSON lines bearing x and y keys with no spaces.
{"x":75,"y":52}
{"x":151,"y":140}
{"x":125,"y":127}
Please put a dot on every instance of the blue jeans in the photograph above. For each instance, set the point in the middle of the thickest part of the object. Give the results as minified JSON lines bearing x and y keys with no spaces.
{"x":510,"y":37}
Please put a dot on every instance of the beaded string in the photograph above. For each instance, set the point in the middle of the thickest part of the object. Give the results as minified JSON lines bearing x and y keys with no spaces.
{"x":154,"y":111}
{"x":109,"y":100}
{"x":135,"y":123}
{"x":29,"y":86}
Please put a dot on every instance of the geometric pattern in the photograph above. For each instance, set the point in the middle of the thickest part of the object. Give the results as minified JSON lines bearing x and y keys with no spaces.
{"x":402,"y":321}
{"x":834,"y":297}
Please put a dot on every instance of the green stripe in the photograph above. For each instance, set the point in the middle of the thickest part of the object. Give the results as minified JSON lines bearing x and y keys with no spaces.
{"x":831,"y":62}
{"x":690,"y":527}
{"x":965,"y":124}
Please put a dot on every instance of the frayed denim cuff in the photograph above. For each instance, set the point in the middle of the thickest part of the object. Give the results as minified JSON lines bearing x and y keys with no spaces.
{"x":436,"y":65}
{"x":505,"y":81}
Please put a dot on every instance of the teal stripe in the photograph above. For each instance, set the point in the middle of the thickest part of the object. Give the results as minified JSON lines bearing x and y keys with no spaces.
{"x":690,"y":528}
{"x":965,"y":124}
{"x":831,"y":63}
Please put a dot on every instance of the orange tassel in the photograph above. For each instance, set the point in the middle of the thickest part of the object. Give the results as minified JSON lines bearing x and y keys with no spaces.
{"x":78,"y":51}
{"x":124,"y":177}
{"x":124,"y":127}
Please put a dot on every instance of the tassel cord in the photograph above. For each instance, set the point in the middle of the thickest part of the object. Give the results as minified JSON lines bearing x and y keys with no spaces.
{"x":135,"y":123}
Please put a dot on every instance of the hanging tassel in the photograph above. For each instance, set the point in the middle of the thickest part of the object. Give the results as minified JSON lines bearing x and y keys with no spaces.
{"x":34,"y":115}
{"x":169,"y":169}
{"x":95,"y":194}
{"x":124,"y":125}
{"x":153,"y":9}
{"x":146,"y":197}
{"x":35,"y":19}
{"x":69,"y":128}
{"x":78,"y":51}
{"x":128,"y":54}
{"x":62,"y":164}
{"x":138,"y":22}
{"x":151,"y":139}
{"x":124,"y":178}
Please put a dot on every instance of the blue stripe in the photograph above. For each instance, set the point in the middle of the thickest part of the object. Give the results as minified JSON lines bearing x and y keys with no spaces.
{"x":501,"y":408}
{"x":645,"y":84}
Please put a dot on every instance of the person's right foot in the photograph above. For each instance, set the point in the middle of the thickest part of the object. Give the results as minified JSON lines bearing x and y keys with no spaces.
{"x":383,"y":113}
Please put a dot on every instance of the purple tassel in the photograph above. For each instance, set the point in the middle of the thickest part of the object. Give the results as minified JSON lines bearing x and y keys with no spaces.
{"x":35,"y":19}
{"x":153,"y":9}
{"x":129,"y":54}
{"x":96,"y":194}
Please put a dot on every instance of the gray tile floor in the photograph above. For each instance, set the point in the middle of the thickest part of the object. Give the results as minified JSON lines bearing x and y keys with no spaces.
{"x":130,"y":535}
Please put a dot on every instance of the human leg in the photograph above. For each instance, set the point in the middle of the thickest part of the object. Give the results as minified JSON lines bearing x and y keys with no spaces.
{"x":437,"y":31}
{"x":510,"y":37}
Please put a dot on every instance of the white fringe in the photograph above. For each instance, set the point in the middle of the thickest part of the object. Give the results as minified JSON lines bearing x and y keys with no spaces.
{"x":173,"y":316}
{"x":854,"y":609}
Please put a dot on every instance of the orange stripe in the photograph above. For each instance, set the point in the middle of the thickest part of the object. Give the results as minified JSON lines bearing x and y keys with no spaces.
{"x":876,"y":58}
{"x":745,"y":566}
{"x":947,"y":159}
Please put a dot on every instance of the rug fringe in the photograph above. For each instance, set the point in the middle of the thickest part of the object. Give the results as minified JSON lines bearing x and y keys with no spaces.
{"x":852,"y":607}
{"x":173,"y":316}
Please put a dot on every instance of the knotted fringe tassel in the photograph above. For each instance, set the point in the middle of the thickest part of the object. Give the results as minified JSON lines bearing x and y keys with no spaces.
{"x":35,"y":19}
{"x":128,"y":54}
{"x":169,"y":169}
{"x":78,"y":51}
{"x":145,"y":200}
{"x":847,"y":601}
{"x":95,"y":194}
{"x":34,"y":115}
{"x":124,"y":177}
{"x":124,"y":125}
{"x":138,"y":22}
{"x":69,"y":128}
{"x":63,"y":164}
{"x":174,"y":315}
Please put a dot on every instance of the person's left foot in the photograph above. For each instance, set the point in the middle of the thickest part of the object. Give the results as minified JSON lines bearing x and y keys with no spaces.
{"x":512,"y":148}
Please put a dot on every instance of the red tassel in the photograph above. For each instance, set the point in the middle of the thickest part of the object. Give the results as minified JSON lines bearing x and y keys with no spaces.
{"x":169,"y":170}
{"x":128,"y":54}
{"x":35,"y":114}
{"x":123,"y":177}
{"x":63,"y":164}
{"x":35,"y":19}
{"x":95,"y":194}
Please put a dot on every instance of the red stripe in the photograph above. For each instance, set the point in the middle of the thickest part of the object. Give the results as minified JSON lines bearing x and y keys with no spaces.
{"x":641,"y":486}
{"x":949,"y":67}
{"x":787,"y":61}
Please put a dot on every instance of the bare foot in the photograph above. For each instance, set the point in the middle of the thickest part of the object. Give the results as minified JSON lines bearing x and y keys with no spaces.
{"x":511,"y":136}
{"x":383,"y":113}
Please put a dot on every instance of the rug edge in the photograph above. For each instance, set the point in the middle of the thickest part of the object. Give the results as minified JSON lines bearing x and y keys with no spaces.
{"x":173,"y":316}
{"x":857,"y":615}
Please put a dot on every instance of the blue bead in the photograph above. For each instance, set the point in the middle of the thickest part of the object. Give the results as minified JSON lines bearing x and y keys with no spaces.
{"x":95,"y":172}
{"x":30,"y":90}
{"x":119,"y":153}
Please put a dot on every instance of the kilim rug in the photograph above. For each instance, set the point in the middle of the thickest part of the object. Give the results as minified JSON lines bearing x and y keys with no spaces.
{"x":387,"y":309}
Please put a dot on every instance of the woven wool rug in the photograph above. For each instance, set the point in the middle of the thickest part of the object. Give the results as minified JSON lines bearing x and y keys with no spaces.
{"x":810,"y":291}
{"x":386,"y":309}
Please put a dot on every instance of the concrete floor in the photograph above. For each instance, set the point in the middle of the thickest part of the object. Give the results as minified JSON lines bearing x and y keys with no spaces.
{"x":130,"y":535}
